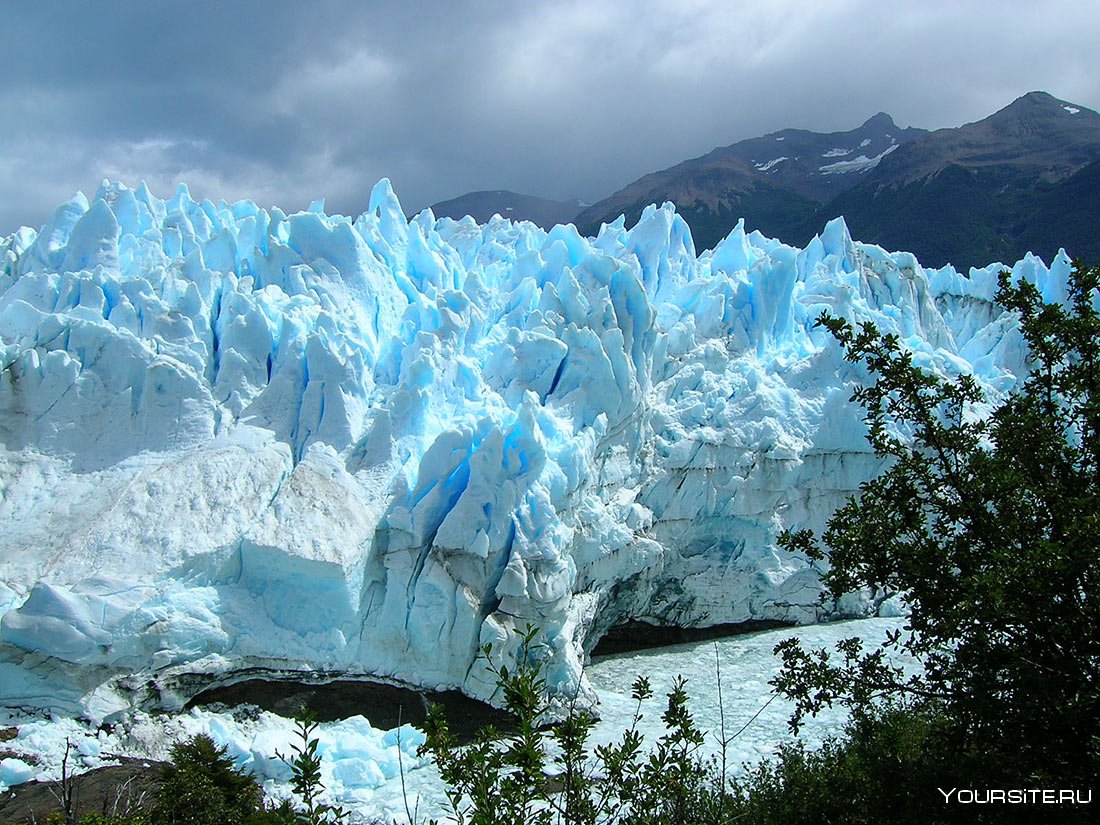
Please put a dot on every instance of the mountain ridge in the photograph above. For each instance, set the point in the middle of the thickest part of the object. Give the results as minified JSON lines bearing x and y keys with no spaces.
{"x":992,"y":189}
{"x":769,"y":180}
{"x":484,"y":204}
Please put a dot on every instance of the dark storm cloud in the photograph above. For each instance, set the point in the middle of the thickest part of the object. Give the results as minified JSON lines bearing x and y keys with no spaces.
{"x":285,"y":102}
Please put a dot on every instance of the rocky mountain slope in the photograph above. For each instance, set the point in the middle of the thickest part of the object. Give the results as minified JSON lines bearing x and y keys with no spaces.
{"x":1023,"y":179}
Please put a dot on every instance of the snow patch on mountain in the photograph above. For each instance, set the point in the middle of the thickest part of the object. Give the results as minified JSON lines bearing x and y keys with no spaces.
{"x":861,"y":163}
{"x":764,"y":167}
{"x":232,"y":438}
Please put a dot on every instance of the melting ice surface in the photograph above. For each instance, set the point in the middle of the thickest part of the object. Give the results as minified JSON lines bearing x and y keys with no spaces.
{"x":236,"y":439}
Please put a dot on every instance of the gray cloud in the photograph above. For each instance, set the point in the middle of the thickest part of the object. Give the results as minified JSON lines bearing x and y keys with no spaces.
{"x":285,"y":102}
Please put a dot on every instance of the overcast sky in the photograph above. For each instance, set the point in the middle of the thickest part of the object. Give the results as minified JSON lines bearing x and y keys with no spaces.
{"x":284,"y":102}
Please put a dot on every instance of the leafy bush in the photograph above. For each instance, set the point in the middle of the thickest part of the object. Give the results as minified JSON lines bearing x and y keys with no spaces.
{"x":886,"y":768}
{"x":118,"y":819}
{"x":202,"y":786}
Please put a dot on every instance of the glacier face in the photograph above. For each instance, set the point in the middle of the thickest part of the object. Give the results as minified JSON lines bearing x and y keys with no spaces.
{"x":233,"y":439}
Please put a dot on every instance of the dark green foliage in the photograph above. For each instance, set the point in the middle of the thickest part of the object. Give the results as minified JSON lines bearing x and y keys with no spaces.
{"x":1067,"y":215}
{"x":104,"y":819}
{"x":202,"y":786}
{"x":59,"y":818}
{"x":835,"y":783}
{"x":989,"y":528}
{"x":775,"y":212}
{"x":888,"y":767}
{"x":493,"y":783}
{"x":959,"y":216}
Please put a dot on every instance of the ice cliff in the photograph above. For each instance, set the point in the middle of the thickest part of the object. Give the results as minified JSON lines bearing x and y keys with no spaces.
{"x":236,"y":440}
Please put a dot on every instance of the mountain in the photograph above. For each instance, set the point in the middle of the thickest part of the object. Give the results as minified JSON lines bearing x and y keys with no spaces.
{"x":1023,"y":179}
{"x":776,"y":182}
{"x":483,"y":205}
{"x":1019,"y":180}
{"x":236,"y":443}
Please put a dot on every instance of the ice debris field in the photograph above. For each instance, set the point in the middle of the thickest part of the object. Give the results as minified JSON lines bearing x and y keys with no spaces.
{"x":362,"y":767}
{"x":233,"y":439}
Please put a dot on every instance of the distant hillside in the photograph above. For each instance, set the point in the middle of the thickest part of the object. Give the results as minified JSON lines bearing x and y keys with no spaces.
{"x":483,"y":205}
{"x":1068,"y":215}
{"x":1023,"y":179}
{"x":776,"y":182}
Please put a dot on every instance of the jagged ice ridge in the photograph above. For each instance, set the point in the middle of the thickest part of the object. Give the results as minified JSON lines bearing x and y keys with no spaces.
{"x":236,"y":440}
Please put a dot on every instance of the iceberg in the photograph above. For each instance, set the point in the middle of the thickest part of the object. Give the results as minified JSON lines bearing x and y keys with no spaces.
{"x":235,"y":441}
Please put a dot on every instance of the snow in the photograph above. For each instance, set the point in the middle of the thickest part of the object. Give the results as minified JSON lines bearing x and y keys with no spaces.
{"x":864,"y":143}
{"x":839,"y":153}
{"x":362,"y":766}
{"x":232,"y":438}
{"x":764,"y":167}
{"x":1071,"y":109}
{"x":861,"y":163}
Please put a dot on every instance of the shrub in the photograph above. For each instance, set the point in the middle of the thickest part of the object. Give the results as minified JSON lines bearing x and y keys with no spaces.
{"x":885,"y":768}
{"x":499,"y":781}
{"x":202,"y":786}
{"x":305,"y":766}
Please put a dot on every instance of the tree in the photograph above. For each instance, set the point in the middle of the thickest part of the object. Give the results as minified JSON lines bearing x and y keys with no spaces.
{"x":988,"y":525}
{"x":202,"y":786}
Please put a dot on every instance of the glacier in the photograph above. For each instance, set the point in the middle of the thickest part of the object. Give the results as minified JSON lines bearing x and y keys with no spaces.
{"x":236,"y":441}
